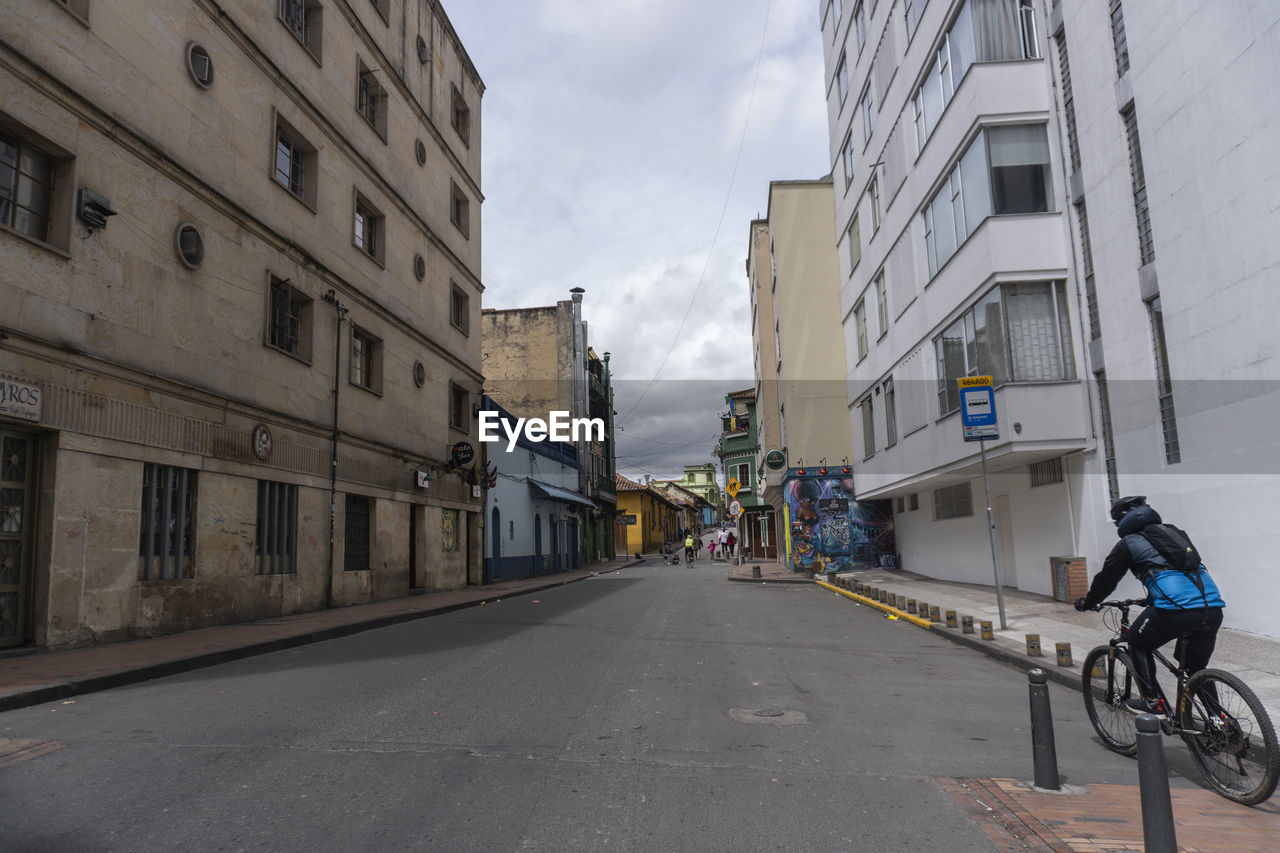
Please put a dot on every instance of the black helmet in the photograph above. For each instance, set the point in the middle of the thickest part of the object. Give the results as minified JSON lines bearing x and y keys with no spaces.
{"x":1120,"y":506}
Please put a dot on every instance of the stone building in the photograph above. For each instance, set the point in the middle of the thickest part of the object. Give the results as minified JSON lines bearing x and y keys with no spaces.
{"x":240,"y":251}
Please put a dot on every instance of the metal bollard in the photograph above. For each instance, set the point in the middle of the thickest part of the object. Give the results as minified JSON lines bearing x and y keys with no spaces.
{"x":966,"y":624}
{"x":1043,"y":751}
{"x":884,"y":596}
{"x":755,"y":571}
{"x":1153,"y":784}
{"x":1033,"y":645}
{"x":951,"y":619}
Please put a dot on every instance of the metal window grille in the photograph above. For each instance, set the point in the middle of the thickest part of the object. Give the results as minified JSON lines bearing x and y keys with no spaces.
{"x":460,"y":306}
{"x":167,"y":536}
{"x":1108,"y":437}
{"x":355,"y":554}
{"x":1090,"y":287}
{"x":1146,"y":242}
{"x":289,"y":159}
{"x":1164,"y":381}
{"x":1068,"y":100}
{"x":294,"y":15}
{"x":952,"y":501}
{"x":1046,"y":472}
{"x":285,"y":310}
{"x":890,"y":414}
{"x":461,"y":117}
{"x":868,"y":429}
{"x":882,"y":305}
{"x":1118,"y":38}
{"x":26,"y":187}
{"x":275,"y":549}
{"x":361,"y":359}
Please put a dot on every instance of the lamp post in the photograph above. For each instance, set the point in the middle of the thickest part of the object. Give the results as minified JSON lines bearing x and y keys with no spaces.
{"x":340,"y":312}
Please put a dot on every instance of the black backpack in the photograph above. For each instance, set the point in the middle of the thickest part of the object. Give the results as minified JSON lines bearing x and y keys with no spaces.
{"x":1174,"y":545}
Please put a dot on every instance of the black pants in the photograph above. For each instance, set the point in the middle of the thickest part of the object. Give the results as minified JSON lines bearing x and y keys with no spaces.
{"x":1155,"y":626}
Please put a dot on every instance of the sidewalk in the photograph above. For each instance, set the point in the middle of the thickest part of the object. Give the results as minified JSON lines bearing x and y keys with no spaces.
{"x":30,"y":679}
{"x":1253,"y":657}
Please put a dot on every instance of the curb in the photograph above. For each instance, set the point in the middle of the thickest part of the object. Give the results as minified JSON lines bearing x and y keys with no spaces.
{"x":92,"y":684}
{"x":1062,"y":675}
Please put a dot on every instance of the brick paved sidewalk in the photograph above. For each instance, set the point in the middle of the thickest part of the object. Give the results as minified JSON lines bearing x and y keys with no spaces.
{"x":29,"y":679}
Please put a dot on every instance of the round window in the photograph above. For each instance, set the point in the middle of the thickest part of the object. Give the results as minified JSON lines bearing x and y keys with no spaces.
{"x":189,"y":245}
{"x":420,"y":151}
{"x":419,"y":267}
{"x":419,"y":374}
{"x":199,"y":65}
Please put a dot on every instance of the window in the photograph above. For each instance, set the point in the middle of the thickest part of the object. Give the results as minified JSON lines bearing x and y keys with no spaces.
{"x":1046,"y":472}
{"x":1015,"y":333}
{"x":461,"y":117}
{"x":1164,"y":385}
{"x":26,"y":188}
{"x":890,"y":414}
{"x":371,"y":99}
{"x":460,"y":310}
{"x":868,"y":114}
{"x":847,"y":155}
{"x":1090,"y":288}
{"x":368,"y":235}
{"x":1004,"y":171}
{"x":884,"y":64}
{"x":912,"y":10}
{"x":1068,"y":100}
{"x":983,"y":31}
{"x":295,"y":163}
{"x":868,"y":429}
{"x":304,"y":20}
{"x":742,"y":473}
{"x":873,"y":191}
{"x":913,"y":502}
{"x":1118,"y":39}
{"x":459,"y":209}
{"x":842,"y":78}
{"x":355,"y":550}
{"x":275,"y":549}
{"x":199,"y":65}
{"x":167,"y":529}
{"x":289,"y":320}
{"x":860,"y":325}
{"x":383,"y":8}
{"x":860,"y":24}
{"x":1146,"y":242}
{"x":952,"y":502}
{"x":1108,"y":437}
{"x":882,"y":305}
{"x":459,"y":402}
{"x":855,"y":244}
{"x":366,"y":361}
{"x":78,"y":8}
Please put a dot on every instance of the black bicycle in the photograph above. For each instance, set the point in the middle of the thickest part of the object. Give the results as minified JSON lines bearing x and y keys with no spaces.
{"x":1224,"y":725}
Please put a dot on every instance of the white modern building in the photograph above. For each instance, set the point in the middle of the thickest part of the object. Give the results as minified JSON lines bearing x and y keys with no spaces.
{"x":962,"y":157}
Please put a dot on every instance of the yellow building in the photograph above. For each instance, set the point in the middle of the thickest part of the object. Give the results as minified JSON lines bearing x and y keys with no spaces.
{"x":648,"y":518}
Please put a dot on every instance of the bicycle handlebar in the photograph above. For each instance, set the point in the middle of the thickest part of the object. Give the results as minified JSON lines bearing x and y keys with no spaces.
{"x":1128,"y":602}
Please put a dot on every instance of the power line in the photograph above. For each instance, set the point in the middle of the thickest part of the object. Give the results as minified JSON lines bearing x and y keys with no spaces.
{"x":716,"y":236}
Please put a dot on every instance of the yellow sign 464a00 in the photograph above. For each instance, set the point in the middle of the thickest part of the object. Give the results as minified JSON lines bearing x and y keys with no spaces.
{"x":973,"y":381}
{"x":732,"y":487}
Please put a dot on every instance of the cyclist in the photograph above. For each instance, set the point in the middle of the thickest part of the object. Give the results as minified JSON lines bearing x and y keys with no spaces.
{"x":689,"y":545}
{"x":1178,"y":604}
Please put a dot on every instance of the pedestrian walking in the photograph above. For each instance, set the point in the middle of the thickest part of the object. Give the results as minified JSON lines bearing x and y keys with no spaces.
{"x":723,"y":536}
{"x":711,"y":547}
{"x":729,"y":542}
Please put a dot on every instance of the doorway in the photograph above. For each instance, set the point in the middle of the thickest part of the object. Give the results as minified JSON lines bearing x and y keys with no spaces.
{"x":1004,"y":543}
{"x":17,"y":523}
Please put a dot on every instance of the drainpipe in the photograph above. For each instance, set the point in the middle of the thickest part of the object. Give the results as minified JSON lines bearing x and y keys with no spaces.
{"x":340,"y":311}
{"x":579,"y":379}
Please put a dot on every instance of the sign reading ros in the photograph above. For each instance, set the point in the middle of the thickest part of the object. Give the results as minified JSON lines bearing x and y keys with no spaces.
{"x":558,"y":427}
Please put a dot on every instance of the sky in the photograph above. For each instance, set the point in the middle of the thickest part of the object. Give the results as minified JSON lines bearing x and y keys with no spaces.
{"x":626,"y":147}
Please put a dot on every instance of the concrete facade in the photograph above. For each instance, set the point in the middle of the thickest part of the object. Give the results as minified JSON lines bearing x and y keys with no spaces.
{"x":197,"y":165}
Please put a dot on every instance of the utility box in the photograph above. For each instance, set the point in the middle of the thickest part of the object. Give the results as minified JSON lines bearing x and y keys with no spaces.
{"x":1070,"y":577}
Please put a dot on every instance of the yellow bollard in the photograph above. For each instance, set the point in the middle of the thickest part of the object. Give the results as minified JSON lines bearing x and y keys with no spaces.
{"x":951,"y":619}
{"x":1064,"y":654}
{"x":987,"y":633}
{"x":966,"y":624}
{"x":911,"y":605}
{"x":935,"y":613}
{"x":1033,"y":645}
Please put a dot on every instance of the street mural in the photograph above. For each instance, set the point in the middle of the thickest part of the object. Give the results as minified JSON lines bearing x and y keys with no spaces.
{"x":829,"y":531}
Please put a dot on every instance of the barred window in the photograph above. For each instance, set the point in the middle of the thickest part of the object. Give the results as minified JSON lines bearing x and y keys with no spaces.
{"x":1108,"y":437}
{"x":460,"y":310}
{"x":1046,"y":472}
{"x":275,"y":549}
{"x":1138,"y":177}
{"x":369,"y":236}
{"x":355,"y":553}
{"x":289,"y":321}
{"x":868,"y":428}
{"x":371,"y":99}
{"x":1118,"y":39}
{"x":303,"y":19}
{"x":26,"y":187}
{"x":461,"y":116}
{"x":952,"y":501}
{"x":365,"y":360}
{"x":167,"y":531}
{"x":1164,"y":384}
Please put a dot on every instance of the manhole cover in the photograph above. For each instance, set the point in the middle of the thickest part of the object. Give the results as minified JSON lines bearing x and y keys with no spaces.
{"x":769,"y":716}
{"x":769,"y":712}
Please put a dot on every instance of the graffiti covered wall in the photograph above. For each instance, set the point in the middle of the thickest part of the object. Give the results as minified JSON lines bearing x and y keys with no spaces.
{"x":829,"y":531}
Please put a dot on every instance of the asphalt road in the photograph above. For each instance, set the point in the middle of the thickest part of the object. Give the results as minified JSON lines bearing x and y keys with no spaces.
{"x":618,"y":713}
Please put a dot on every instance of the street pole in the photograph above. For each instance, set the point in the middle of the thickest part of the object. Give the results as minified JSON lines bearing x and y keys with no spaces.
{"x":991,"y":529}
{"x":340,"y":311}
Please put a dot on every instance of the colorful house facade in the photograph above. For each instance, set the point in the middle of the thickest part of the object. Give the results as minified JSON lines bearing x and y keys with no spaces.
{"x":827,"y":529}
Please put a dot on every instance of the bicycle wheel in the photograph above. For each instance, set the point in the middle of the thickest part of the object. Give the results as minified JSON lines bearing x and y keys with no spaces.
{"x":1108,"y":683}
{"x":1231,"y":737}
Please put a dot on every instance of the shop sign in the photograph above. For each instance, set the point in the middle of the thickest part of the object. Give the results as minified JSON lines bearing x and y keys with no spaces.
{"x":19,"y":399}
